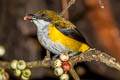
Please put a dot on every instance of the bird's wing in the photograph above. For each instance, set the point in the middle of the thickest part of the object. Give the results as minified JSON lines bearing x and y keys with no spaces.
{"x":72,"y":33}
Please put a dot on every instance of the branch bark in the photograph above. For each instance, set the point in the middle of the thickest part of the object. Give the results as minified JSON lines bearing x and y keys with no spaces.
{"x":71,"y":2}
{"x":96,"y":55}
{"x":66,"y":14}
{"x":90,"y":55}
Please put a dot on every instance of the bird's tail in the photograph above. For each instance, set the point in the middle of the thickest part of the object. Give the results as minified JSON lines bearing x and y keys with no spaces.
{"x":83,"y":48}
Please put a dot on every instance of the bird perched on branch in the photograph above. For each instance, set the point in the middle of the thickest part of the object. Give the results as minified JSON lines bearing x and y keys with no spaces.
{"x":57,"y":34}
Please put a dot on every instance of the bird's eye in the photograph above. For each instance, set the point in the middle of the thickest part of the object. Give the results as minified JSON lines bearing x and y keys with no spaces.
{"x":43,"y":15}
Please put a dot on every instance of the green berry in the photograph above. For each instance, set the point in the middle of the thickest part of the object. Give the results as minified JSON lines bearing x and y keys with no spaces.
{"x":24,"y":78}
{"x":2,"y":51}
{"x":57,"y":63}
{"x":1,"y":76}
{"x":58,"y":71}
{"x":4,"y":76}
{"x":14,"y":64}
{"x":1,"y":70}
{"x":64,"y":77}
{"x":17,"y":72}
{"x":26,"y":73}
{"x":21,"y":64}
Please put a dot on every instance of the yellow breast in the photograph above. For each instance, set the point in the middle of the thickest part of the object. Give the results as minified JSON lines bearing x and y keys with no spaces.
{"x":74,"y":45}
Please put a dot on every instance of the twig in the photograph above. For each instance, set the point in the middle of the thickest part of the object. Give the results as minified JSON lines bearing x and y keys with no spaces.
{"x":90,"y":55}
{"x":101,"y":3}
{"x":44,"y":63}
{"x":64,"y":4}
{"x":67,"y":7}
{"x":5,"y":64}
{"x":73,"y":73}
{"x":71,"y":2}
{"x":96,"y":55}
{"x":33,"y":64}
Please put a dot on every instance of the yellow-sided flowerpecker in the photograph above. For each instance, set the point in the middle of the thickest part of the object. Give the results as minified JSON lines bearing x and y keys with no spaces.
{"x":57,"y":34}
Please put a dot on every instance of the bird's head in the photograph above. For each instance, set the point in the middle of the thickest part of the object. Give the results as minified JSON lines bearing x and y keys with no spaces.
{"x":43,"y":17}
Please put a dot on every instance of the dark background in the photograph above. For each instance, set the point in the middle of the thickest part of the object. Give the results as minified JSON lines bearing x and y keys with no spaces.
{"x":101,"y":28}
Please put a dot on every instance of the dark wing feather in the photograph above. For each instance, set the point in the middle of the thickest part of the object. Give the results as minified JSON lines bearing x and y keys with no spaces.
{"x":72,"y":33}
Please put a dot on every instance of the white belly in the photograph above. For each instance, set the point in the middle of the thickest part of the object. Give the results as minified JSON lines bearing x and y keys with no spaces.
{"x":54,"y":47}
{"x":42,"y":33}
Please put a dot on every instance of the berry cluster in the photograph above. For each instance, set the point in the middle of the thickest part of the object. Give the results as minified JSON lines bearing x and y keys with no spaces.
{"x":61,"y":66}
{"x":19,"y":68}
{"x":3,"y":75}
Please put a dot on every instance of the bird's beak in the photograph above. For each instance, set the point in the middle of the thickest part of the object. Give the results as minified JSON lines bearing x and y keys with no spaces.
{"x":30,"y":17}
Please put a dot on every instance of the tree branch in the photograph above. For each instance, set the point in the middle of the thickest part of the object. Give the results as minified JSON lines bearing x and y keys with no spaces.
{"x":90,"y":55}
{"x":66,"y":14}
{"x":73,"y":73}
{"x":96,"y":55}
{"x":67,"y":7}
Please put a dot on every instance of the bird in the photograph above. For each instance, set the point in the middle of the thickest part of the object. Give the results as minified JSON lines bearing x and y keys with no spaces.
{"x":57,"y":34}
